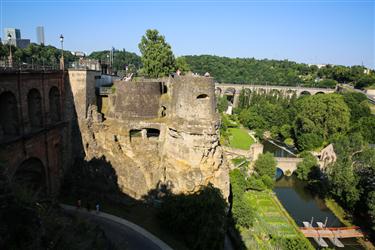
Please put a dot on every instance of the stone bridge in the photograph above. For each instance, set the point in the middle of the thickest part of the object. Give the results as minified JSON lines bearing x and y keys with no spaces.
{"x":283,"y":163}
{"x":33,"y":128}
{"x":232,"y":91}
{"x":287,"y":164}
{"x":39,"y":132}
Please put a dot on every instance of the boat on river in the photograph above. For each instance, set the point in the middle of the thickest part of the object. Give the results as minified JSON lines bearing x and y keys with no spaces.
{"x":334,"y":240}
{"x":318,"y":240}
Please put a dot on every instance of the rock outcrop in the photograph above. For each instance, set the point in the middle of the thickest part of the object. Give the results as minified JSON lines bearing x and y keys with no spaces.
{"x":159,"y":133}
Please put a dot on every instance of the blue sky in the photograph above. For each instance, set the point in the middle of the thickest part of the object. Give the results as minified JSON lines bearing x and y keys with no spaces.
{"x":310,"y":31}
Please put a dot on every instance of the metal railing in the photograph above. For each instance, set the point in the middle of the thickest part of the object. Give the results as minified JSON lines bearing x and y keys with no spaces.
{"x":21,"y":66}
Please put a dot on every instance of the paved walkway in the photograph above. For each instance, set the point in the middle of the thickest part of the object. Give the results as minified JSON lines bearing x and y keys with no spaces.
{"x":123,"y":233}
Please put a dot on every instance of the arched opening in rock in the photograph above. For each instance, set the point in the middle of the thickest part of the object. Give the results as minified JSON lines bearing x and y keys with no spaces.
{"x":305,"y":93}
{"x":152,"y":132}
{"x":163,"y":88}
{"x":135,"y":133}
{"x":34,"y":102}
{"x":163,"y":112}
{"x":30,"y":175}
{"x":54,"y":104}
{"x":202,"y":96}
{"x":8,"y":114}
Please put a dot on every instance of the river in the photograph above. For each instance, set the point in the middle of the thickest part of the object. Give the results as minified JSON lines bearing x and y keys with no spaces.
{"x":302,"y":205}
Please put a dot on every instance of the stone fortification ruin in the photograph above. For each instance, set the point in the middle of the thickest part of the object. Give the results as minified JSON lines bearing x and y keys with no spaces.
{"x":153,"y":132}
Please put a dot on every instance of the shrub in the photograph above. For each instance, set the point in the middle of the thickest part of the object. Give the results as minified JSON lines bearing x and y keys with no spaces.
{"x":289,"y":141}
{"x":256,"y":184}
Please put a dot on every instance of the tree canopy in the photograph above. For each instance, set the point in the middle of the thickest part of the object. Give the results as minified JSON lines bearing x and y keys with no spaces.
{"x":157,"y":56}
{"x":278,"y":72}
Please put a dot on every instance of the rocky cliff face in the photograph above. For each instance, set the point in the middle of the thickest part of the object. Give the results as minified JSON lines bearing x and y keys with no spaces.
{"x":159,"y":133}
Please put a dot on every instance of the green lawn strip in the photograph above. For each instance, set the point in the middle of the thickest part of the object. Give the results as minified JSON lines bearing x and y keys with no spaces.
{"x":239,"y":138}
{"x":339,"y":212}
{"x":346,"y":219}
{"x":372,"y":107}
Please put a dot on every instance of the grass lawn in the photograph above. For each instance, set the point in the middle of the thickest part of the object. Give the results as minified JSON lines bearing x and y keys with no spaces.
{"x":372,"y":107}
{"x":239,"y":138}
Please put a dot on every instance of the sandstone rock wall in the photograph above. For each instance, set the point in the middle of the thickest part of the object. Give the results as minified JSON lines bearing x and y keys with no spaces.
{"x":159,"y":133}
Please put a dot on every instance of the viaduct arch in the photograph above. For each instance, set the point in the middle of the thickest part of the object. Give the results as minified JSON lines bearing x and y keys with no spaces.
{"x":33,"y":130}
{"x":232,"y":91}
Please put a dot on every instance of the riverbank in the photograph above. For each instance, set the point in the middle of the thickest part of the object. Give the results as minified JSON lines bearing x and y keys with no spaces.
{"x":346,"y":219}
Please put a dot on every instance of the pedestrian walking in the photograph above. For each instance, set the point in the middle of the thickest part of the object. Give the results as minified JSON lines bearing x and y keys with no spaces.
{"x":79,"y":204}
{"x":97,"y":207}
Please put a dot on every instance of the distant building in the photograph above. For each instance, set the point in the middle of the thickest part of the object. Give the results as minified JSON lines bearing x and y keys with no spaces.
{"x":22,"y":43}
{"x":14,"y":33}
{"x":40,"y":35}
{"x":78,"y":53}
{"x":16,"y":39}
{"x":318,"y":65}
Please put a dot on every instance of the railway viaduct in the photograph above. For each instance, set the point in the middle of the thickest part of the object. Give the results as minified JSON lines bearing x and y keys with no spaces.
{"x":232,"y":91}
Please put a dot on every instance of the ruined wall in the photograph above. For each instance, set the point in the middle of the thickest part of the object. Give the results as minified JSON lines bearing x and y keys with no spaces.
{"x":158,"y":133}
{"x":135,"y":100}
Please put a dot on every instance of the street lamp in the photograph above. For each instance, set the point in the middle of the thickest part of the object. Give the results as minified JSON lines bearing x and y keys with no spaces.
{"x":62,"y":52}
{"x":10,"y":58}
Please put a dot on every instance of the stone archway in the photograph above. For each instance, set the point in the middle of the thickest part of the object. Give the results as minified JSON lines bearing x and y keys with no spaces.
{"x":9,"y":124}
{"x":54,"y":105}
{"x":218,"y":91}
{"x":305,"y":92}
{"x":31,"y":175}
{"x":230,"y":93}
{"x":34,"y":104}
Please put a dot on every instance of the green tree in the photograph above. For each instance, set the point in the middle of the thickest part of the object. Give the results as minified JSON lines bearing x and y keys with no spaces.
{"x":306,"y":165}
{"x":265,"y":165}
{"x":199,"y":218}
{"x":182,"y":65}
{"x":309,"y":141}
{"x":222,"y":104}
{"x":365,"y":81}
{"x":327,"y":83}
{"x":323,"y":115}
{"x":371,"y":207}
{"x":157,"y":56}
{"x":344,"y":183}
{"x":242,"y":212}
{"x":357,"y":103}
{"x":366,"y":126}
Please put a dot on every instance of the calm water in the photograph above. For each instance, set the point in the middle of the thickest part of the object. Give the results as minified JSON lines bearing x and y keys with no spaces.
{"x":278,"y":151}
{"x":302,"y":205}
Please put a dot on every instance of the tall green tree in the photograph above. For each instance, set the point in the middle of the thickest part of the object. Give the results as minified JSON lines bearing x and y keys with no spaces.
{"x":157,"y":56}
{"x":265,"y":165}
{"x":322,"y":115}
{"x":304,"y":168}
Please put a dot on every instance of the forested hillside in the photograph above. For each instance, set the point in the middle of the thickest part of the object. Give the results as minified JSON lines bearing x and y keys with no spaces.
{"x":274,"y":72}
{"x":121,"y":59}
{"x":36,"y":55}
{"x":223,"y":69}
